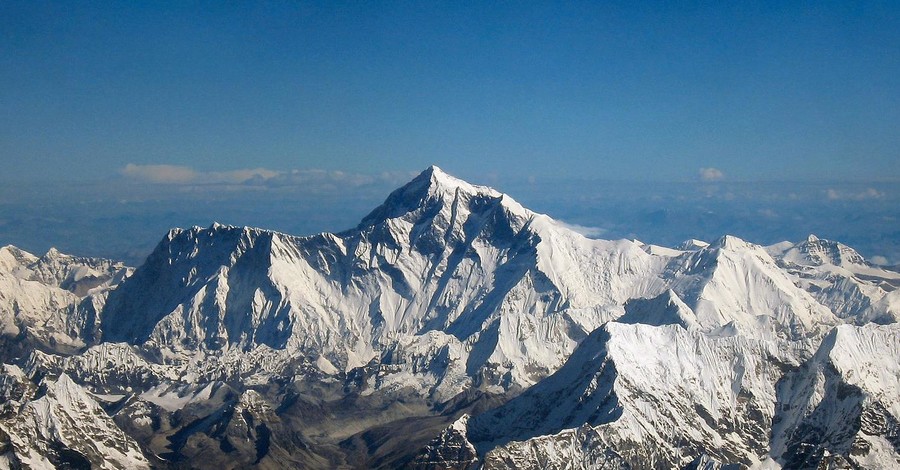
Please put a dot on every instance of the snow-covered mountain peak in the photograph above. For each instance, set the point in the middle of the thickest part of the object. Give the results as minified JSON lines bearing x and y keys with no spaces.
{"x":832,"y":256}
{"x":54,"y":298}
{"x":692,"y":245}
{"x":185,"y":264}
{"x":841,"y":279}
{"x":12,"y":257}
{"x":211,"y":230}
{"x":736,"y":286}
{"x":216,"y":225}
{"x":439,"y":180}
{"x":730,"y":242}
{"x":66,"y":428}
{"x":439,"y":254}
{"x":817,"y":251}
{"x":433,"y":191}
{"x":665,"y":309}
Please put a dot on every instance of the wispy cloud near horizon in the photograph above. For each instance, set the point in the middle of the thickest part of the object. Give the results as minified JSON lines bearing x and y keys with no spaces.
{"x":144,"y":201}
{"x":178,"y":174}
{"x":163,"y":174}
{"x":711,"y":174}
{"x":587,"y":231}
{"x":845,"y":195}
{"x":310,"y":179}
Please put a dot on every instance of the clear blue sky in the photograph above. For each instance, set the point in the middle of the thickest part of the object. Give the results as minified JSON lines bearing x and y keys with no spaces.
{"x":774,"y":90}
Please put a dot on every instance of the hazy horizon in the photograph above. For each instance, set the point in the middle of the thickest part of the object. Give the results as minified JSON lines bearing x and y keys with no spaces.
{"x":123,"y":217}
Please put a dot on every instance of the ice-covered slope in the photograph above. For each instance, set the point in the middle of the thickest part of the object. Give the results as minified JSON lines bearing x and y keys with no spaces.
{"x":53,"y":301}
{"x":65,"y":428}
{"x":736,"y":287}
{"x":842,"y":405}
{"x":648,"y":396}
{"x":841,"y":279}
{"x":663,"y":397}
{"x":513,"y":289}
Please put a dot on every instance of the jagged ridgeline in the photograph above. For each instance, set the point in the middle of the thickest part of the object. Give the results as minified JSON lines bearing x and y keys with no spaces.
{"x":452,"y":328}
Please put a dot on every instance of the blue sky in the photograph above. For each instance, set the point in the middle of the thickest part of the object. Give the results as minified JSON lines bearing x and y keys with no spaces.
{"x":617,"y":90}
{"x":652,"y":120}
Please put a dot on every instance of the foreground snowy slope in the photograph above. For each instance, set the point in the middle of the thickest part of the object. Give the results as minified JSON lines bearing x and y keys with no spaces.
{"x":454,"y":328}
{"x":65,"y":427}
{"x":630,"y":391}
{"x":663,"y":397}
{"x":842,"y":404}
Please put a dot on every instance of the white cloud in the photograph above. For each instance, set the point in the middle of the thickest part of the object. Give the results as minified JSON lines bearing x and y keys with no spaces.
{"x":330,"y":180}
{"x":176,"y":174}
{"x":307,"y":180}
{"x":240,"y":176}
{"x":877,"y":259}
{"x":164,"y":174}
{"x":868,"y":193}
{"x":590,"y":232}
{"x":711,"y":174}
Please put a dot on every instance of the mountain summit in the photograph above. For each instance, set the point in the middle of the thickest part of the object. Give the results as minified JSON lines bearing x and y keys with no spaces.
{"x":430,"y":187}
{"x":452,"y":328}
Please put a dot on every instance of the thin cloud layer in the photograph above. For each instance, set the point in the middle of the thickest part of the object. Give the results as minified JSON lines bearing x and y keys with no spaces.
{"x":711,"y":174}
{"x":590,"y":232}
{"x":868,"y":193}
{"x":307,"y":179}
{"x":176,"y":174}
{"x":161,"y":174}
{"x":134,"y":212}
{"x":880,"y":260}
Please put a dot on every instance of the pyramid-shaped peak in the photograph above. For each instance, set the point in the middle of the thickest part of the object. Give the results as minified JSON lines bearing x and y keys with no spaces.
{"x":823,"y":251}
{"x":431,"y":185}
{"x":730,"y":242}
{"x":437,"y":180}
{"x":52,"y":253}
{"x":436,"y":171}
{"x":12,"y":256}
{"x":692,"y":244}
{"x":664,"y":309}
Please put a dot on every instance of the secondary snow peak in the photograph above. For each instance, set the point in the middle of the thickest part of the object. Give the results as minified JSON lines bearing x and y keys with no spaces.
{"x":730,"y":242}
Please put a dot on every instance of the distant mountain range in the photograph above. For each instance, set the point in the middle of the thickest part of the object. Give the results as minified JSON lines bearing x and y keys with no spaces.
{"x":452,"y":328}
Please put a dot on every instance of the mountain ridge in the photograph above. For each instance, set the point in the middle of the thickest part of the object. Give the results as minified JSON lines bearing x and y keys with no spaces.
{"x":453,"y":327}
